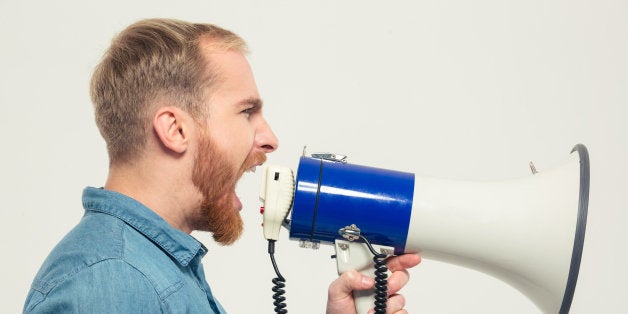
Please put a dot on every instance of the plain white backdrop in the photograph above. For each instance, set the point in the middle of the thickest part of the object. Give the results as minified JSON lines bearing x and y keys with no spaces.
{"x":455,"y":89}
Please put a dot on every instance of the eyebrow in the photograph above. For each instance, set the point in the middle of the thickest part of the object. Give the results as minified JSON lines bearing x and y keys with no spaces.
{"x":257,"y":103}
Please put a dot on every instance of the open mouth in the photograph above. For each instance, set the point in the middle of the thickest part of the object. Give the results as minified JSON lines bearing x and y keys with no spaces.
{"x":253,"y":168}
{"x":236,"y":200}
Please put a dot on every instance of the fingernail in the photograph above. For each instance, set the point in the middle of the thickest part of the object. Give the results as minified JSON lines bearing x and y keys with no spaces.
{"x":367,"y":281}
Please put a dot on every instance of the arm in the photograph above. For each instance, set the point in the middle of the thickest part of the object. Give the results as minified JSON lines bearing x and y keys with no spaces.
{"x":340,"y":298}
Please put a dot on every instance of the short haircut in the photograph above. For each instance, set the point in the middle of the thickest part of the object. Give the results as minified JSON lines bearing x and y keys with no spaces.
{"x":150,"y":61}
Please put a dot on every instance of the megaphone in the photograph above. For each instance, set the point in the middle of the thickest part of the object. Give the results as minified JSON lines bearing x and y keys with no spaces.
{"x":528,"y":232}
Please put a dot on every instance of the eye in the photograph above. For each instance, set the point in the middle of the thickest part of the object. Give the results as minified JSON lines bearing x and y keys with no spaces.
{"x":250,"y":110}
{"x":250,"y":106}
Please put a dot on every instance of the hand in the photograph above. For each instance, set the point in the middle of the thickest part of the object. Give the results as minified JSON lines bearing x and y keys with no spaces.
{"x":340,"y":299}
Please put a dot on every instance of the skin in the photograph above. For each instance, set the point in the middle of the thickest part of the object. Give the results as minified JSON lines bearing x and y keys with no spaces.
{"x":340,"y":299}
{"x":162,"y":177}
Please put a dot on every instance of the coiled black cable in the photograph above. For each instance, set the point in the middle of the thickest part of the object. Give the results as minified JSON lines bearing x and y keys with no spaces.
{"x":381,"y":278}
{"x":279,"y":283}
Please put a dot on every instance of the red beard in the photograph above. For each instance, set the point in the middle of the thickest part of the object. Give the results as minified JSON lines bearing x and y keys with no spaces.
{"x":216,"y":177}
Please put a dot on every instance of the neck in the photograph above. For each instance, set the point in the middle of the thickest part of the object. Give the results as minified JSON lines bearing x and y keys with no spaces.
{"x":158,"y":186}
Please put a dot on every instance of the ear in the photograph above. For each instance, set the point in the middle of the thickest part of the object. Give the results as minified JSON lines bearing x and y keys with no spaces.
{"x":173,"y":128}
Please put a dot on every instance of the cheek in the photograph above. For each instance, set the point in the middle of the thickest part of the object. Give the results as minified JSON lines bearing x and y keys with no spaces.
{"x":237,"y":143}
{"x":246,"y":144}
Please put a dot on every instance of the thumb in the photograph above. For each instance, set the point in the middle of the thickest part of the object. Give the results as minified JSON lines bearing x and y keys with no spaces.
{"x":347,"y":282}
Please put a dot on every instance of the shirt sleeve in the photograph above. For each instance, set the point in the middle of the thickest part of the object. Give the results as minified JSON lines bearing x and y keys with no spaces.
{"x":110,"y":286}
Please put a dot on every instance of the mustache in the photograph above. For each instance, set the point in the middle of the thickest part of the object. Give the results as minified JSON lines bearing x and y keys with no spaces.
{"x":253,"y":159}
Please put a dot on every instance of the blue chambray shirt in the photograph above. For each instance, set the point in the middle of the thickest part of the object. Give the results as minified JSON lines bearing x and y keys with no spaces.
{"x":122,"y":258}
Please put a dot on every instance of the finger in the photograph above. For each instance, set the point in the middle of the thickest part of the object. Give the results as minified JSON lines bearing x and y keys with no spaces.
{"x":349,"y":281}
{"x":397,"y":280}
{"x":395,"y":304}
{"x":402,"y":262}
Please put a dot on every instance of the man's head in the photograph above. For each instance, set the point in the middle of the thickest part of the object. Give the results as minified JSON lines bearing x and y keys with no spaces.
{"x":185,"y":93}
{"x":150,"y":62}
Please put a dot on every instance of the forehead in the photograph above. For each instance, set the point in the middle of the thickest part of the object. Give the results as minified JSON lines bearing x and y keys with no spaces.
{"x":233,"y":77}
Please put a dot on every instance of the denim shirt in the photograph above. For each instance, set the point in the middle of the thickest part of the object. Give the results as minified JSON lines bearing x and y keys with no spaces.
{"x":122,"y":258}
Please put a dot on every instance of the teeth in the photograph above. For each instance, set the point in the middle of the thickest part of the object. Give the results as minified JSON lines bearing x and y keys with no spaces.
{"x":252,"y":168}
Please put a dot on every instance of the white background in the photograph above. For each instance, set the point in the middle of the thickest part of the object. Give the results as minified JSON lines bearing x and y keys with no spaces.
{"x":453,"y":89}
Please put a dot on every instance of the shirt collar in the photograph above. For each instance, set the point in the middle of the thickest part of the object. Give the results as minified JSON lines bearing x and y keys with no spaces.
{"x":178,"y":244}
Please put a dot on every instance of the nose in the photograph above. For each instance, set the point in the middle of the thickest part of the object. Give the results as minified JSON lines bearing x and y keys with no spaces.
{"x":265,"y":138}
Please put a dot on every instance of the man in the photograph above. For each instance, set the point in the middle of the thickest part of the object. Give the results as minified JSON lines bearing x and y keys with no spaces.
{"x":182,"y":118}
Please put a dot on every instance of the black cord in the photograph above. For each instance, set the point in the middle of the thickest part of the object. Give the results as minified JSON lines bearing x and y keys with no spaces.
{"x":381,"y":278}
{"x":278,"y":283}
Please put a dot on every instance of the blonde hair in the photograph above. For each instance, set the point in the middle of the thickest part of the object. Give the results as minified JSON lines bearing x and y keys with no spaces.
{"x":153,"y":60}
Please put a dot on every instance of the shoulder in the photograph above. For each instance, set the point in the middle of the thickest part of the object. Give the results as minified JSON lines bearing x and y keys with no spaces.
{"x":111,"y":285}
{"x":96,"y":238}
{"x":103,"y":260}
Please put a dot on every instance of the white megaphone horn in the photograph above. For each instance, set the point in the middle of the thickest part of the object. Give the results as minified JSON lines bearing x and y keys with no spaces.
{"x":528,"y":232}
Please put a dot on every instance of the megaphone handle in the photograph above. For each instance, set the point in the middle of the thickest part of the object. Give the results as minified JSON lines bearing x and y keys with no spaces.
{"x":357,"y":256}
{"x":364,"y":300}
